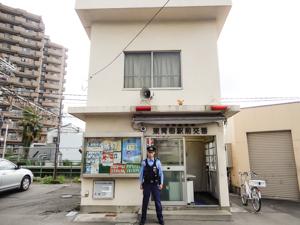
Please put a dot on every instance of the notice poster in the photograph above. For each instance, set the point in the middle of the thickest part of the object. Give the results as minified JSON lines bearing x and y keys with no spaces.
{"x":110,"y":145}
{"x":117,"y":157}
{"x":118,"y":169}
{"x":93,"y":144}
{"x":92,"y":162}
{"x":107,"y":158}
{"x":131,"y":150}
{"x":133,"y":168}
{"x":103,"y":190}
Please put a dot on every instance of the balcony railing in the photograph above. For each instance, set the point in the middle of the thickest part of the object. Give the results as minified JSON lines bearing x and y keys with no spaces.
{"x":53,"y":68}
{"x":25,"y":62}
{"x":54,"y":52}
{"x":50,"y":104}
{"x":6,"y":27}
{"x":53,"y":60}
{"x":29,"y":33}
{"x":51,"y":86}
{"x":29,"y":43}
{"x":8,"y":38}
{"x":18,"y":82}
{"x":26,"y":52}
{"x":7,"y":17}
{"x":28,"y":73}
{"x":5,"y":47}
{"x":28,"y":94}
{"x":52,"y":77}
{"x":49,"y":95}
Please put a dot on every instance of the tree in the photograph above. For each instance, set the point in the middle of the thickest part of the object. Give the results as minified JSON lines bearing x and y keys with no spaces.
{"x":32,"y":127}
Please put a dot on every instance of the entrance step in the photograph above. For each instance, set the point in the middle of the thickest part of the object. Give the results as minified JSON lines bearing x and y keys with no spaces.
{"x":185,"y":207}
{"x":192,"y":214}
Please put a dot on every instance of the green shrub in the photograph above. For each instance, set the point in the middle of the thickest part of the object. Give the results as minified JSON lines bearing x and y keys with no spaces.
{"x":61,"y":179}
{"x":67,"y":163}
{"x":46,"y":180}
{"x":50,"y":180}
{"x":76,"y":180}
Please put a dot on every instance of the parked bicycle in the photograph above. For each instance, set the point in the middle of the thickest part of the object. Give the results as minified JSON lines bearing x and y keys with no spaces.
{"x":250,"y":189}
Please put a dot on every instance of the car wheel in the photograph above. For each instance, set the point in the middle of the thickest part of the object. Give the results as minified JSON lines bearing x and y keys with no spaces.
{"x":25,"y":183}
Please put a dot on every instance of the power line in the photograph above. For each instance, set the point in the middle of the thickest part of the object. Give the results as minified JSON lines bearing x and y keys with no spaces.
{"x":131,"y":41}
{"x":13,"y":94}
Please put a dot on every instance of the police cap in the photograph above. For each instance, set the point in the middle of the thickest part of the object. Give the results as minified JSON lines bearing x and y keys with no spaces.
{"x":151,"y":148}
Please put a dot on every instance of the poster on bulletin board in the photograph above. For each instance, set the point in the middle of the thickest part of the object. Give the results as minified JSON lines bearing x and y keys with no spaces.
{"x":133,"y":168}
{"x":110,"y":145}
{"x":131,"y":150}
{"x":107,"y":158}
{"x":103,"y":144}
{"x":118,"y":169}
{"x":93,"y":144}
{"x":92,"y":162}
{"x":117,"y":157}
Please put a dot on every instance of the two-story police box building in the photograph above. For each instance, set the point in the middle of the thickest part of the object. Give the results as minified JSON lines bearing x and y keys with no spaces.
{"x":176,"y":58}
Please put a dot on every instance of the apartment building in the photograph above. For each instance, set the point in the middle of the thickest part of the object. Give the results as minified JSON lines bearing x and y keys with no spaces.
{"x":39,"y":69}
{"x":175,"y":59}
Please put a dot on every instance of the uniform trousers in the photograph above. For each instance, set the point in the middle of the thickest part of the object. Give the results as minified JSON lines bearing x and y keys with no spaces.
{"x":154,"y":190}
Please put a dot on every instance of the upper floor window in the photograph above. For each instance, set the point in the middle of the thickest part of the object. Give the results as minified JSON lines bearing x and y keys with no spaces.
{"x":152,"y":69}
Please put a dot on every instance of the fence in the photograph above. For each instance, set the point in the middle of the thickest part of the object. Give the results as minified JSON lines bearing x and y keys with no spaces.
{"x":40,"y":161}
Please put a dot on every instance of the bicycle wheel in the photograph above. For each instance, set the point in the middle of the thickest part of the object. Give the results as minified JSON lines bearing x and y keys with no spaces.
{"x":256,"y":201}
{"x":244,"y":196}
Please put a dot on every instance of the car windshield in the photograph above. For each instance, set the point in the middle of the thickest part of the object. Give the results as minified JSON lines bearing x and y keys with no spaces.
{"x":6,"y":165}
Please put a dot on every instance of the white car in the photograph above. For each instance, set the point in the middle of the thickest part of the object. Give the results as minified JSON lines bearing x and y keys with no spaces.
{"x":14,"y":177}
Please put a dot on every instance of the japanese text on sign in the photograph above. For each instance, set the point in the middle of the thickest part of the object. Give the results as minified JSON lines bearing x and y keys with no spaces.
{"x":179,"y":130}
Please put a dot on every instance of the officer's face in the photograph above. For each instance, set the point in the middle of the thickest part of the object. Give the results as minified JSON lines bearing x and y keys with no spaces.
{"x":150,"y":154}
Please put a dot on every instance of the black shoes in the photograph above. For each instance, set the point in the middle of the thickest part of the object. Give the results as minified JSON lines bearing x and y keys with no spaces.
{"x":160,"y":222}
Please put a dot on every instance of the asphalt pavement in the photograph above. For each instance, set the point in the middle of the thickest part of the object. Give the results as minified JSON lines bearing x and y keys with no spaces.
{"x":59,"y":204}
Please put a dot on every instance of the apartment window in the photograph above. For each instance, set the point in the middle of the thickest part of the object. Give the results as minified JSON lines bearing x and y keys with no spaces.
{"x":152,"y":69}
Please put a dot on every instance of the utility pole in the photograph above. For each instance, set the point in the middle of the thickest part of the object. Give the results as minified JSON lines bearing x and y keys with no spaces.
{"x":5,"y":138}
{"x":58,"y":138}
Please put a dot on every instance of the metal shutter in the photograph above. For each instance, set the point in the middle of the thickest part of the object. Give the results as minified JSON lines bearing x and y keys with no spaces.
{"x":272,"y":157}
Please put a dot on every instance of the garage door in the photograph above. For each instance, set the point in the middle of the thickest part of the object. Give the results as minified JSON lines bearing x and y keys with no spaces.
{"x":272,"y":156}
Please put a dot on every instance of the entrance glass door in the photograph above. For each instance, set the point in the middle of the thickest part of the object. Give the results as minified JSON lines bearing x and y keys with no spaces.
{"x":170,"y":151}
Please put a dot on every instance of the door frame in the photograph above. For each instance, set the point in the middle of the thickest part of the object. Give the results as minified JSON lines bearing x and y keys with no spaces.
{"x":173,"y":168}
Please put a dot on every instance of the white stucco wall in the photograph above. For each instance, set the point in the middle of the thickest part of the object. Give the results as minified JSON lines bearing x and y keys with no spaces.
{"x":121,"y":124}
{"x":199,"y":63}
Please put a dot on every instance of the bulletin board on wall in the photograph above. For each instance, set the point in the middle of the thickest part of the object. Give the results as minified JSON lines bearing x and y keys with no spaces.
{"x":112,"y":155}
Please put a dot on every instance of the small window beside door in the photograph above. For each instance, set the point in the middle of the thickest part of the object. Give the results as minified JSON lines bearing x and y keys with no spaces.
{"x":152,"y":70}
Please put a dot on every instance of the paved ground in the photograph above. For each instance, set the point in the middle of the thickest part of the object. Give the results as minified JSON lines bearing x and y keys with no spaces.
{"x":44,"y":205}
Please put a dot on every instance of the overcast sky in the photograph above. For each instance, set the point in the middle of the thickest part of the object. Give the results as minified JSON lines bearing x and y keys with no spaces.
{"x":259,"y":47}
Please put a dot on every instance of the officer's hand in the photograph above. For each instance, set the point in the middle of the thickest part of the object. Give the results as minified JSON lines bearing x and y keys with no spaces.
{"x":160,"y":187}
{"x":141,"y":187}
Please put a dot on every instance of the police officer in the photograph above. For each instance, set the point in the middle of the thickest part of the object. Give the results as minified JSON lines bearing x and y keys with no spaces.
{"x":151,"y":180}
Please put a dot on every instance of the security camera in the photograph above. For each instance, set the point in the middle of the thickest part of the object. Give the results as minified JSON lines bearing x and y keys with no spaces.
{"x":143,"y":129}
